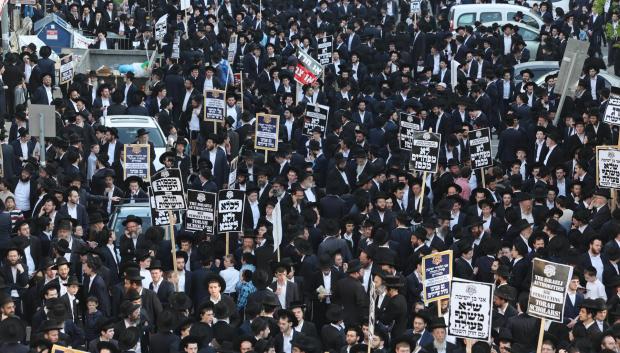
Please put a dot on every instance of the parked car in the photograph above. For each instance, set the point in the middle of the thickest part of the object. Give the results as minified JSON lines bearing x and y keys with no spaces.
{"x":128,"y":126}
{"x":464,"y":15}
{"x":538,"y":68}
{"x":139,"y":209}
{"x":610,"y":79}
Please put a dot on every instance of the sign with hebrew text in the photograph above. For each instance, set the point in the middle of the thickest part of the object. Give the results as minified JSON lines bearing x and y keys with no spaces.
{"x":471,"y":308}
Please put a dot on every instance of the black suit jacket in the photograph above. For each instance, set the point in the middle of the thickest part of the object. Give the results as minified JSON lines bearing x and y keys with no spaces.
{"x":165,"y":289}
{"x":98,"y":290}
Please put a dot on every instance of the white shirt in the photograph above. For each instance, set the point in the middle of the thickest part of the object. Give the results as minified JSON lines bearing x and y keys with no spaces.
{"x":232,"y":112}
{"x":22,"y":195}
{"x":194,"y":123}
{"x":181,"y":281}
{"x":255,"y":213}
{"x":72,"y":210}
{"x":282,"y":295}
{"x":111,"y":150}
{"x":146,"y":281}
{"x":231,"y":276}
{"x":188,"y":95}
{"x":506,"y":89}
{"x":29,"y":261}
{"x":507,"y":44}
{"x":597,"y":263}
{"x":593,"y":87}
{"x":549,"y":154}
{"x":48,"y":91}
{"x":286,"y":342}
{"x":327,"y":284}
{"x":24,"y":148}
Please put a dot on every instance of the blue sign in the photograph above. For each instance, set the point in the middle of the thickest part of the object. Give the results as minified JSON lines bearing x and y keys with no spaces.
{"x":437,"y":273}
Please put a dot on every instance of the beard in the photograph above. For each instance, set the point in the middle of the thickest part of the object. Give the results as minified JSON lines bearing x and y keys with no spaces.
{"x":24,"y":179}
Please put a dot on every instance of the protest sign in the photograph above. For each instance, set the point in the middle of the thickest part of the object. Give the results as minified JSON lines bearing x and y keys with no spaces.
{"x":161,"y":27}
{"x":316,"y":115}
{"x":214,"y":105}
{"x":425,"y":151}
{"x":137,"y":161}
{"x":62,"y":349}
{"x":415,"y":6}
{"x":232,"y":175}
{"x":480,"y":148}
{"x":230,"y":205}
{"x":232,"y":48}
{"x":325,"y":48}
{"x":437,"y":274}
{"x":371,"y":308}
{"x":471,"y":308}
{"x":612,"y":111}
{"x":266,"y":132}
{"x":66,"y":69}
{"x":159,"y":218}
{"x":608,"y":167}
{"x":200,"y":214}
{"x":408,"y":126}
{"x":548,"y":289}
{"x":168,"y":190}
{"x":307,"y":70}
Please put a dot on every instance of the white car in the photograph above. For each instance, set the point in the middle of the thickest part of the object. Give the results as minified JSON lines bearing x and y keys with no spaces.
{"x":467,"y":15}
{"x":128,"y":126}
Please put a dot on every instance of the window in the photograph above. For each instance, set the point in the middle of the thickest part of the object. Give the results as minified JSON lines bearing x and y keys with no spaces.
{"x":527,"y":19}
{"x":528,"y":35}
{"x":490,"y":17}
{"x":466,"y":19}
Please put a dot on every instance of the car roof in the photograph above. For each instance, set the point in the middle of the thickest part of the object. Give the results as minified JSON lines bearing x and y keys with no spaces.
{"x":531,"y":64}
{"x":612,"y":79}
{"x":129,"y":120}
{"x":498,"y":6}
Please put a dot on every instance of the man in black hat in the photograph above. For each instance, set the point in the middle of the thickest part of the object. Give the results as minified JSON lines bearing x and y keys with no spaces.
{"x":502,"y":309}
{"x":15,"y":273}
{"x":439,"y":332}
{"x":463,"y":266}
{"x":94,"y":285}
{"x":349,"y":292}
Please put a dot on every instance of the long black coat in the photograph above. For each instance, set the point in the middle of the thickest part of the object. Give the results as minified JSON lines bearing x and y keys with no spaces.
{"x":350,"y":293}
{"x":524,"y":330}
{"x":395,"y":314}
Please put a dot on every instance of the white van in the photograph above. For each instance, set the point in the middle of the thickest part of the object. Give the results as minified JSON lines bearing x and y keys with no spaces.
{"x":467,"y":15}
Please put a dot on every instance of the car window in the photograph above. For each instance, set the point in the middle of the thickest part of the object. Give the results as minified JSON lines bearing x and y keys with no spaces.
{"x":490,"y":17}
{"x":541,"y":72}
{"x":466,"y":19}
{"x":123,"y":212}
{"x":528,"y":35}
{"x":527,"y":19}
{"x":128,"y":135}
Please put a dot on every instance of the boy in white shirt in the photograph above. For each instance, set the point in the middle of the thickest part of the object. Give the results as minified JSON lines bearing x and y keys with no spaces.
{"x":595,"y":288}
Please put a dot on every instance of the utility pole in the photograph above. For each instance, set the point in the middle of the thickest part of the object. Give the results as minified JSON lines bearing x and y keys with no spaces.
{"x":5,"y":26}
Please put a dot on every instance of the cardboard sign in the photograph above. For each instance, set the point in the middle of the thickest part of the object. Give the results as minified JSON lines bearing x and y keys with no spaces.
{"x":612,"y":111}
{"x":61,"y":349}
{"x":325,"y":49}
{"x":437,"y":274}
{"x":408,"y":127}
{"x":161,"y":27}
{"x":608,"y":167}
{"x":215,"y":105}
{"x":471,"y":308}
{"x":66,"y":69}
{"x":230,"y":204}
{"x":137,"y":161}
{"x":308,"y":70}
{"x":480,"y":148}
{"x":425,"y":151}
{"x":548,"y":289}
{"x":316,"y":115}
{"x":415,"y":6}
{"x":200,"y":214}
{"x":267,"y":130}
{"x":168,"y":190}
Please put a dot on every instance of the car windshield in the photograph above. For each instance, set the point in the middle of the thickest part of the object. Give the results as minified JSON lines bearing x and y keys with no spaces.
{"x":128,"y":135}
{"x":123,"y":212}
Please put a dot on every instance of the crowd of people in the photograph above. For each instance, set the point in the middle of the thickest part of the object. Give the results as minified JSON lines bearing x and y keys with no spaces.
{"x":352,"y":211}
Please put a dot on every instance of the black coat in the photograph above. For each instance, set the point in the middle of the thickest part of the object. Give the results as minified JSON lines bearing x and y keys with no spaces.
{"x":524,"y":330}
{"x":332,"y":338}
{"x":350,"y":293}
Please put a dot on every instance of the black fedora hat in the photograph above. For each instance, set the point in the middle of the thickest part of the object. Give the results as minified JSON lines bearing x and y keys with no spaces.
{"x":392,"y":282}
{"x":128,"y":338}
{"x":214,"y":277}
{"x":505,"y":292}
{"x":12,"y":330}
{"x":142,"y":132}
{"x":165,"y":155}
{"x":96,"y":217}
{"x":502,"y":270}
{"x":155,"y":265}
{"x":72,"y":281}
{"x":437,"y":322}
{"x":133,"y":274}
{"x":133,"y":178}
{"x":354,"y":266}
{"x":334,"y":313}
{"x":50,"y":325}
{"x":132,"y":218}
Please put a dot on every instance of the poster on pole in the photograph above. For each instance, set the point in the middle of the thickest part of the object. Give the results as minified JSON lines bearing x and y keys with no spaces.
{"x":168,"y":189}
{"x":185,"y":4}
{"x":480,"y":148}
{"x":316,"y":115}
{"x":200,"y":214}
{"x":325,"y":48}
{"x":66,"y":69}
{"x":612,"y":111}
{"x":267,"y":129}
{"x":436,"y":276}
{"x":408,"y":126}
{"x":161,"y":27}
{"x":137,"y":161}
{"x":608,"y":167}
{"x":160,"y":218}
{"x":371,"y":308}
{"x":232,"y":48}
{"x":471,"y":308}
{"x":548,"y":289}
{"x":575,"y":55}
{"x":415,"y":6}
{"x":230,"y":205}
{"x":214,"y":105}
{"x":307,"y":70}
{"x":425,"y":151}
{"x":232,"y":175}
